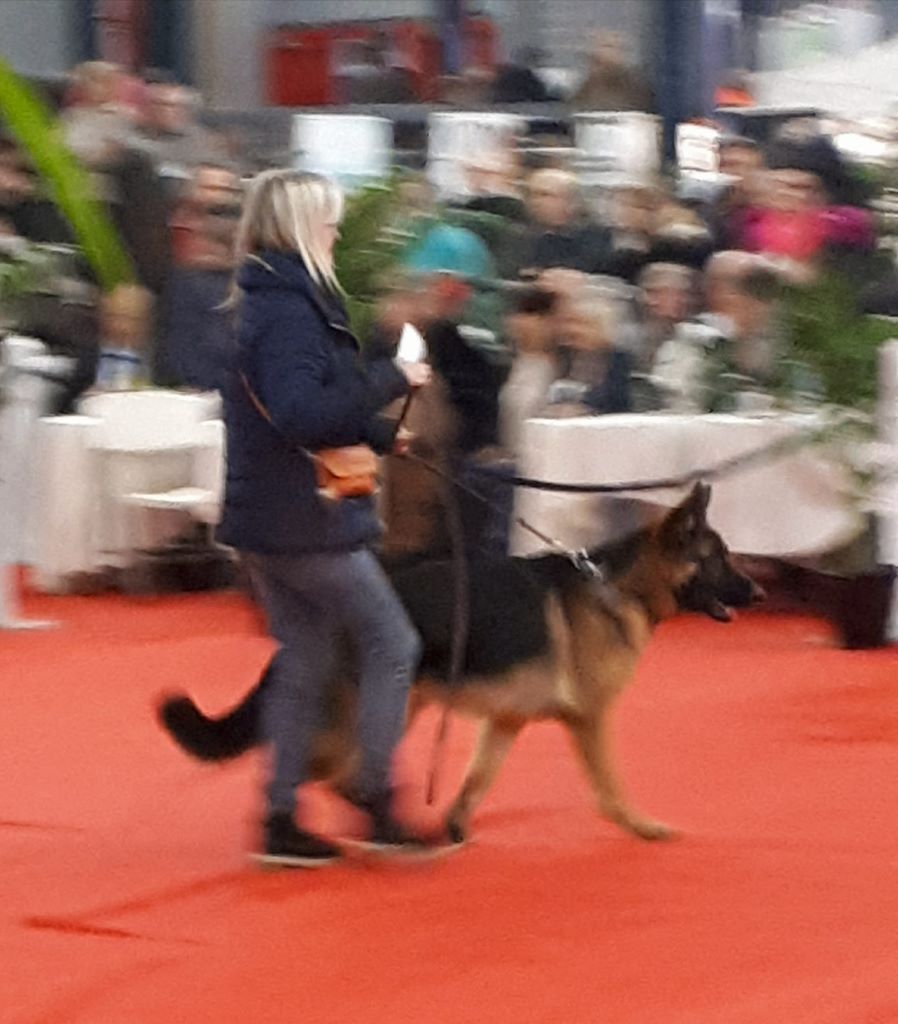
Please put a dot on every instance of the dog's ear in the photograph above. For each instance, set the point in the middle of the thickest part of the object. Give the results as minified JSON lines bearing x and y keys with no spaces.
{"x":685,"y":522}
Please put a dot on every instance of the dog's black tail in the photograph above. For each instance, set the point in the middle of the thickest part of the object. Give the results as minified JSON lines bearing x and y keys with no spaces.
{"x":214,"y":739}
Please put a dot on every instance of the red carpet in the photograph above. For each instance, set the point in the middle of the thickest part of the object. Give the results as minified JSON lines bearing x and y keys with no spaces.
{"x":126,"y":896}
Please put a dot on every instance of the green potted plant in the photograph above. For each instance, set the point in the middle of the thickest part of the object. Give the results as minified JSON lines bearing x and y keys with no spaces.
{"x":828,"y":334}
{"x":37,"y":132}
{"x":367,"y":250}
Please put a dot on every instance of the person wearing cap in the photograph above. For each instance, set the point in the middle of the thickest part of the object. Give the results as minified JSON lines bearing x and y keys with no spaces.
{"x":740,"y":162}
{"x":461,"y":321}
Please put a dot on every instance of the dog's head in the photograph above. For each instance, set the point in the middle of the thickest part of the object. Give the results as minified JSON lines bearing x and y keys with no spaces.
{"x":711,"y":584}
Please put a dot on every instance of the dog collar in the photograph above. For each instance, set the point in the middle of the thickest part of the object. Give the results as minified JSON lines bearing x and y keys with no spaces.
{"x":586,"y":566}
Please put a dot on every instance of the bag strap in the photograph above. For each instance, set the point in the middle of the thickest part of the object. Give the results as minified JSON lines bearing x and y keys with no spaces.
{"x":261,"y":409}
{"x":257,"y":402}
{"x":253,"y":397}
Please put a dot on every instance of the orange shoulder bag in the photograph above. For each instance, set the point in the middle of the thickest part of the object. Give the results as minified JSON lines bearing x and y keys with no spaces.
{"x":349,"y":472}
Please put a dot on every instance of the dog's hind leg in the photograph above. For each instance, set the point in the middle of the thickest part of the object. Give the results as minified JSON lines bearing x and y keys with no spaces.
{"x":591,"y":736}
{"x":493,"y":744}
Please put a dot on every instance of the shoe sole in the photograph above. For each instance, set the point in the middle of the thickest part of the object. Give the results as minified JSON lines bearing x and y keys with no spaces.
{"x":275,"y":860}
{"x":366,"y":850}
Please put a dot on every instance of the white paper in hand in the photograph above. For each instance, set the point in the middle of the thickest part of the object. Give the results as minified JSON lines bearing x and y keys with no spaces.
{"x":412,"y":347}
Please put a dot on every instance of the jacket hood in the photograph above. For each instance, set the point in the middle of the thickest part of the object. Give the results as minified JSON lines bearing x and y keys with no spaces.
{"x":274,"y":270}
{"x":283,"y":271}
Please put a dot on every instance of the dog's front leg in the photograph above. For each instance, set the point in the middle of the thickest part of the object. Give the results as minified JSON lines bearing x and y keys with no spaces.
{"x":493,"y":744}
{"x":591,"y":735}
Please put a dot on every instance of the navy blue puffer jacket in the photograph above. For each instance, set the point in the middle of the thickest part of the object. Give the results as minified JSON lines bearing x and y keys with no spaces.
{"x":300,"y":359}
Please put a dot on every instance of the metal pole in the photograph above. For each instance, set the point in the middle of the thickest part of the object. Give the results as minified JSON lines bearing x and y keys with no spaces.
{"x":451,"y":15}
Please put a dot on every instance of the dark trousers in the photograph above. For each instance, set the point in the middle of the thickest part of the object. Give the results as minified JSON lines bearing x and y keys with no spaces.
{"x":313,"y":602}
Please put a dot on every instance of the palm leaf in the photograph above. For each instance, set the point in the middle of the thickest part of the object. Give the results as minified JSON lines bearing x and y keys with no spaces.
{"x":828,"y":333}
{"x":39,"y":134}
{"x":363,"y":253}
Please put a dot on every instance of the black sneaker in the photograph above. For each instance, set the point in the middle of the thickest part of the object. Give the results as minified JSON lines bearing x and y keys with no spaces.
{"x":290,"y":847}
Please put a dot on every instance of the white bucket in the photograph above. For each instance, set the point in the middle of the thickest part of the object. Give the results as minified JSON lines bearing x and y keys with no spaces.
{"x":617,"y":145}
{"x":455,"y":139}
{"x":697,"y":148}
{"x":351,"y":148}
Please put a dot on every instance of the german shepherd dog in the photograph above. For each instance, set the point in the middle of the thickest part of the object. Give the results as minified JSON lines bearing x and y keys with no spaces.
{"x":546,"y":641}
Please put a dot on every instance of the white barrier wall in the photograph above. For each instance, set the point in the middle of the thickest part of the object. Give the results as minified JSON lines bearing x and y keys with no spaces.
{"x":351,"y":148}
{"x":887,"y":429}
{"x":455,"y":139}
{"x":617,"y":145}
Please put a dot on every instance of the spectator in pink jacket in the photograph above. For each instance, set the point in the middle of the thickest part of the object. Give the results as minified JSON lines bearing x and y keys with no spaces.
{"x":810,"y":207}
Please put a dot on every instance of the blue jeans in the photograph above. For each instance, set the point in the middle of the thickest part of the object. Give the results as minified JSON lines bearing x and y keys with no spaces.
{"x":313,"y":602}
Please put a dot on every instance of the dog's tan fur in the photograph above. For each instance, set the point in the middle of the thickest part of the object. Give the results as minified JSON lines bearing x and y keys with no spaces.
{"x":596,"y":641}
{"x":573,"y":642}
{"x":596,"y":650}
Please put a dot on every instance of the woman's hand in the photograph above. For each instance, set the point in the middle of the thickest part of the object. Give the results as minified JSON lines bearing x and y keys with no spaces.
{"x":417,"y":374}
{"x":403,"y":441}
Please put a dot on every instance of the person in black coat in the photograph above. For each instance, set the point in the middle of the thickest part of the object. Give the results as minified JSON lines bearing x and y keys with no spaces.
{"x":517,"y":82}
{"x":198,"y":335}
{"x":198,"y":329}
{"x":299,"y":386}
{"x":559,"y":234}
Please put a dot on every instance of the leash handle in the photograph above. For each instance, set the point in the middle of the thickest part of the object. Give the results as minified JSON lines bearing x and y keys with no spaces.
{"x":406,"y":405}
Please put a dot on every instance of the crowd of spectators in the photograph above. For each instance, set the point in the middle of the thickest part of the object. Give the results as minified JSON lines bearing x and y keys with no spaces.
{"x":642,"y":296}
{"x":535,"y":294}
{"x":172,"y":188}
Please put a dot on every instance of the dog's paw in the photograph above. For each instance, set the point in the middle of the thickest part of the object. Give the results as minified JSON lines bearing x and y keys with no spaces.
{"x":650,"y":830}
{"x":456,"y":831}
{"x":642,"y":828}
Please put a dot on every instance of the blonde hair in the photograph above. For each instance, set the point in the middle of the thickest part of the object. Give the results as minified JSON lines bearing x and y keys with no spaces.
{"x":284,"y":211}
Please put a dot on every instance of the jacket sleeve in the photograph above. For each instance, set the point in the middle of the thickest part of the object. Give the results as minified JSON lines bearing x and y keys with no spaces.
{"x":381,"y":434}
{"x":290,"y":370}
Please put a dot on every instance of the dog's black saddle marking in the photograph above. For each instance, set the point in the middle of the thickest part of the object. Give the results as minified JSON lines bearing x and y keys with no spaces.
{"x":507,"y":623}
{"x":507,"y":606}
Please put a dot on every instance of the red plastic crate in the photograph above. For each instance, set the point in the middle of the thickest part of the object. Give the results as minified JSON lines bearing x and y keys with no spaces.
{"x":300,"y":59}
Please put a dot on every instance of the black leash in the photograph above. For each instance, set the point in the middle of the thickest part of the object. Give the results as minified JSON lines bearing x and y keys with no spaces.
{"x":773,"y":450}
{"x":461,"y":622}
{"x":461,"y":600}
{"x":580,"y":559}
{"x":406,"y":405}
{"x":461,"y":603}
